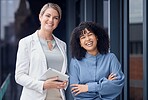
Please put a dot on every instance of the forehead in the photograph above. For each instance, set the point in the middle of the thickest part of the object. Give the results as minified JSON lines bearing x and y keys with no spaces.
{"x":51,"y":11}
{"x":85,"y":31}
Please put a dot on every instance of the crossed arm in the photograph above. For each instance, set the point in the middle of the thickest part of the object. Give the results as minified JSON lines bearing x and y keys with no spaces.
{"x":80,"y":88}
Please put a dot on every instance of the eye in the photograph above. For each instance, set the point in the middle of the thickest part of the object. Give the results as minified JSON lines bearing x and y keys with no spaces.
{"x":82,"y":37}
{"x":89,"y":34}
{"x":57,"y":18}
{"x":47,"y":15}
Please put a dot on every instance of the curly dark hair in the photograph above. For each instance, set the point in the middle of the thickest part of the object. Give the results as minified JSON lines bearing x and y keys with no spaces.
{"x":79,"y":52}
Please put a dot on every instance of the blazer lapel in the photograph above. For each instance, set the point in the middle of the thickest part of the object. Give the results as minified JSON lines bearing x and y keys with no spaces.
{"x":61,"y":47}
{"x":40,"y":50}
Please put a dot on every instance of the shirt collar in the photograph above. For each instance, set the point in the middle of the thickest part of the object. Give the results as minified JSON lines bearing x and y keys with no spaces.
{"x":92,"y":56}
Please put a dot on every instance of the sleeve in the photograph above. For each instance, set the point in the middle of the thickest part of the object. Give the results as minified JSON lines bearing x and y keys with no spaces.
{"x":65,"y":49}
{"x":73,"y":72}
{"x":109,"y":89}
{"x":22,"y":69}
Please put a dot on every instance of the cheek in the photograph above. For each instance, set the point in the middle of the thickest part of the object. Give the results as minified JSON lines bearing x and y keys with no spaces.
{"x":56,"y":24}
{"x":42,"y":21}
{"x":95,"y":39}
{"x":81,"y":42}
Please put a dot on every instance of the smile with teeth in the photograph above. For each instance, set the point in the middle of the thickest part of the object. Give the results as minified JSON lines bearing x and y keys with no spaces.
{"x":90,"y":43}
{"x":50,"y":24}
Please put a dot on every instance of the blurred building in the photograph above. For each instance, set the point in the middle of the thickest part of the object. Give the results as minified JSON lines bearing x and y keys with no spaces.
{"x":126,"y":23}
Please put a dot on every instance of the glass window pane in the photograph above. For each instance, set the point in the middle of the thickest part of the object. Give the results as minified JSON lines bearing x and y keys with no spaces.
{"x":136,"y":46}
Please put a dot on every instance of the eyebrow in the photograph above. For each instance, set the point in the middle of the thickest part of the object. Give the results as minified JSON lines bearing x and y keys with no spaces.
{"x":50,"y":14}
{"x":84,"y":32}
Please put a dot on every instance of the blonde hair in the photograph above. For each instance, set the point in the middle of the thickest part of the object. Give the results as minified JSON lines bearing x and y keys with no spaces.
{"x":51,"y":5}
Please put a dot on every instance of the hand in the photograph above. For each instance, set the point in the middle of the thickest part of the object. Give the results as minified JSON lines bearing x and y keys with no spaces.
{"x":78,"y":88}
{"x":53,"y":83}
{"x":112,"y":76}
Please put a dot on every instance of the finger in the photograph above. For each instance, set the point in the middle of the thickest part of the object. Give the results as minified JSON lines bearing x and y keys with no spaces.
{"x":114,"y":78}
{"x":59,"y":83}
{"x":58,"y":87}
{"x":62,"y":87}
{"x":74,"y":85}
{"x":53,"y":78}
{"x":65,"y":83}
{"x":74,"y":88}
{"x":111,"y":77}
{"x":111,"y":74}
{"x":77,"y":93}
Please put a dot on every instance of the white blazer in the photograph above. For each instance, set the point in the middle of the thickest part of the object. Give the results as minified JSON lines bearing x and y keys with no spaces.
{"x":31,"y":64}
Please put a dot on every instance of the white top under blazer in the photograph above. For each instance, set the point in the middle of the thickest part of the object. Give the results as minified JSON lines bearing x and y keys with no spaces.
{"x":31,"y":64}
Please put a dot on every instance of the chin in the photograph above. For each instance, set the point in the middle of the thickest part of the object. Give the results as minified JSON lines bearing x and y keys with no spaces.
{"x":49,"y":29}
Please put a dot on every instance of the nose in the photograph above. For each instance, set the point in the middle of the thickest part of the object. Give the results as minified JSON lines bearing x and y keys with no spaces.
{"x":87,"y":37}
{"x":50,"y":19}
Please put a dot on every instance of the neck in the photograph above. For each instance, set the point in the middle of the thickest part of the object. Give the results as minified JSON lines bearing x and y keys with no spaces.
{"x":94,"y":53}
{"x":45,"y":35}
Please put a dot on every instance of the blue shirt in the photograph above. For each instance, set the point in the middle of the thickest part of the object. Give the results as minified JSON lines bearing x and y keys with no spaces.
{"x":94,"y":71}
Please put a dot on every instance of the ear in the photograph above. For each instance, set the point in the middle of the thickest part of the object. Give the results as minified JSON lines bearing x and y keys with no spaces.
{"x":40,"y":17}
{"x":96,"y":38}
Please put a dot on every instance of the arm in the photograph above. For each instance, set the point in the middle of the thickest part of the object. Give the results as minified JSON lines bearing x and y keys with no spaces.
{"x":108,"y":87}
{"x":22,"y":68}
{"x":80,"y":88}
{"x":22,"y":71}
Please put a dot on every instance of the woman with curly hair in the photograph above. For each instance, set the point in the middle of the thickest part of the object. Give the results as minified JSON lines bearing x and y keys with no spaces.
{"x":95,"y":74}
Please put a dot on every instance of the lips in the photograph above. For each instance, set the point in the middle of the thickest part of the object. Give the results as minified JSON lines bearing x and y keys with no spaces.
{"x":49,"y":25}
{"x":89,"y":44}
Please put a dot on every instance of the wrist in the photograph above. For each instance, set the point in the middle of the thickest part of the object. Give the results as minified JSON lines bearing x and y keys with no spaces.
{"x":86,"y":87}
{"x":44,"y":86}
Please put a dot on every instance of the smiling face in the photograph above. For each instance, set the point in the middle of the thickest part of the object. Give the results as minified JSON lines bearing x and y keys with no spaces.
{"x":49,"y":19}
{"x":88,"y":41}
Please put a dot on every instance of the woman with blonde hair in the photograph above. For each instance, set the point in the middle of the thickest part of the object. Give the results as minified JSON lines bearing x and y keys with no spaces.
{"x":37,"y":53}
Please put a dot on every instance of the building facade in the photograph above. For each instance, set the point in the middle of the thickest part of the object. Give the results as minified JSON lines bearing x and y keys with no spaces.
{"x":124,"y":20}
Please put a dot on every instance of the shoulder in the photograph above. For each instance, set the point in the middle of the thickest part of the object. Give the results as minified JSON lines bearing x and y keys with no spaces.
{"x":73,"y":61}
{"x":27,"y":40}
{"x":74,"y":64}
{"x":110,"y":55}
